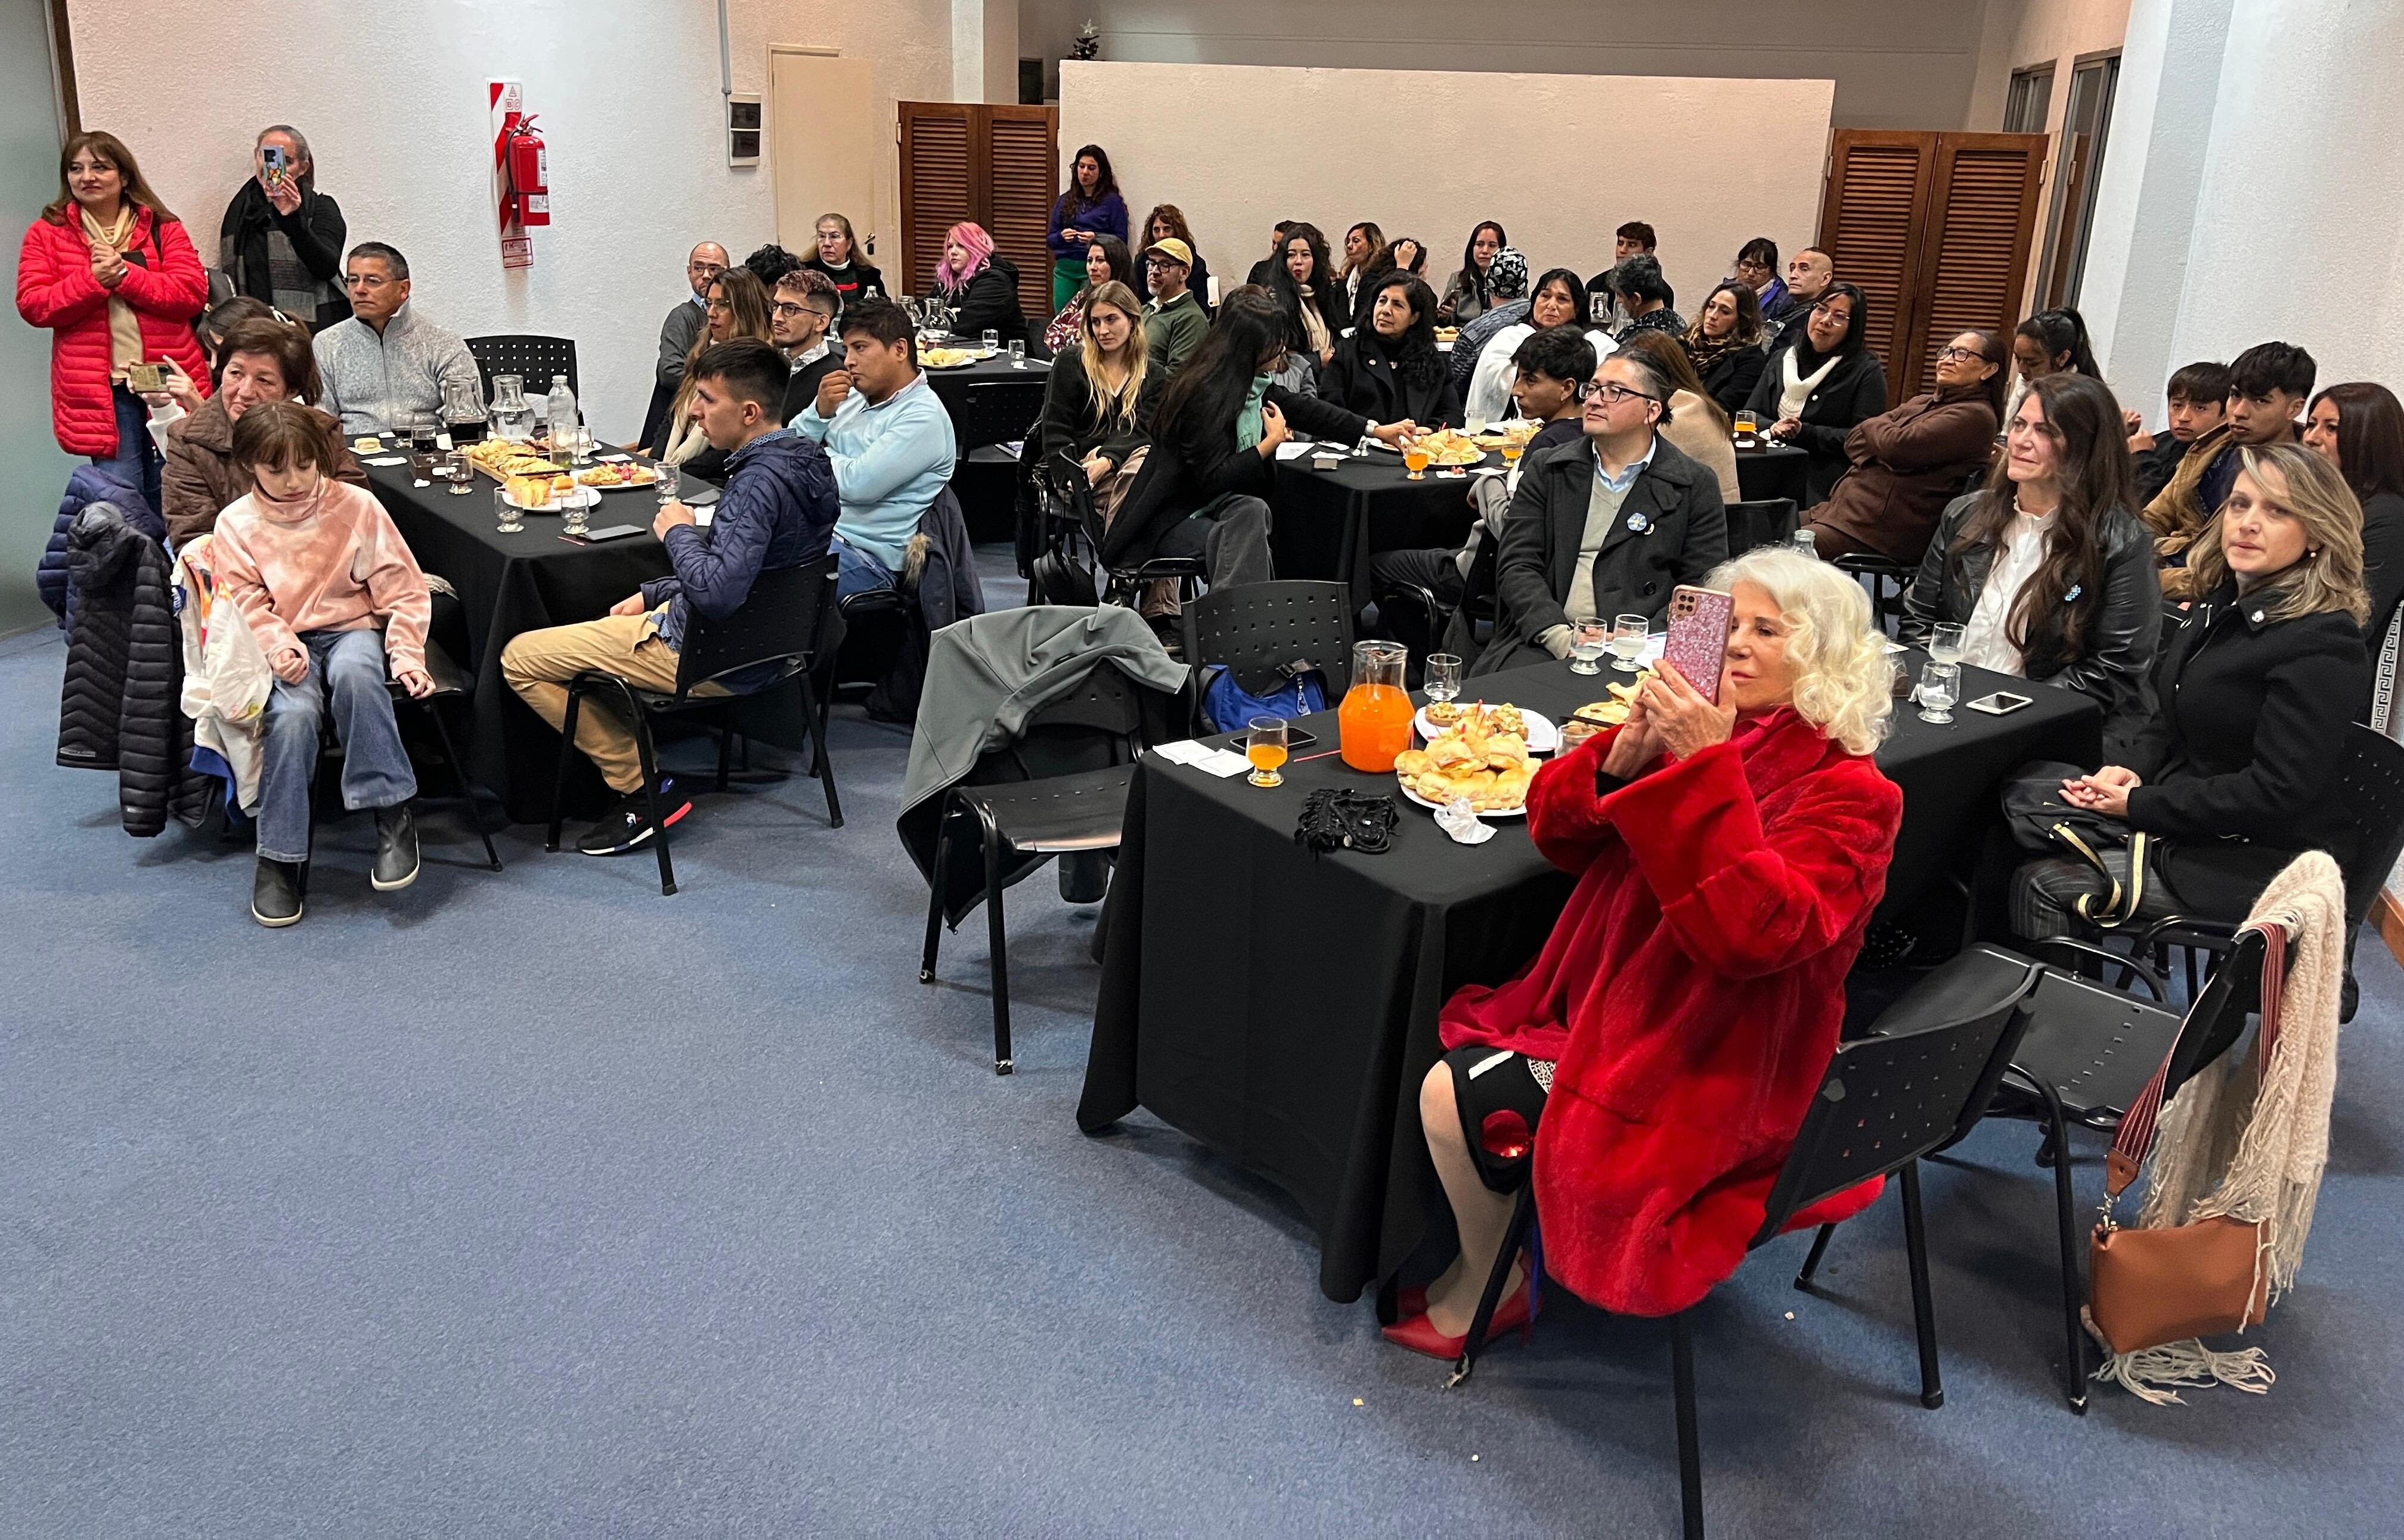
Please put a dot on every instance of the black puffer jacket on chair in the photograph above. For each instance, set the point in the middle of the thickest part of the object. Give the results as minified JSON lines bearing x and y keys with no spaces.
{"x":121,"y":706}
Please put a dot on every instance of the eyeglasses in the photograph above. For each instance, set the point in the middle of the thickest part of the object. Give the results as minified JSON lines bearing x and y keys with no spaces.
{"x":716,"y":305}
{"x":1611,"y":393}
{"x":1958,"y":354}
{"x":365,"y":280}
{"x":787,"y":309}
{"x":712,"y":268}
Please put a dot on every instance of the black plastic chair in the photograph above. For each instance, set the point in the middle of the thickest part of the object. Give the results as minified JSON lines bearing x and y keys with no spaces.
{"x":450,"y":684}
{"x":996,"y":412}
{"x":1063,"y":480}
{"x":1255,"y":628}
{"x":533,"y":358}
{"x":786,"y":622}
{"x":1916,"y":1085}
{"x":1059,"y":788}
{"x":1883,"y":572}
{"x":1769,"y":521}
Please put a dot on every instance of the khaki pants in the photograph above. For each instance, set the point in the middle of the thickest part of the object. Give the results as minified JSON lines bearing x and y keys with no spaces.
{"x":539,"y":664}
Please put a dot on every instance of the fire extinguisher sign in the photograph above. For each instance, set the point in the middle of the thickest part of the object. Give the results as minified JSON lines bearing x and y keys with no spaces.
{"x":505,"y":101}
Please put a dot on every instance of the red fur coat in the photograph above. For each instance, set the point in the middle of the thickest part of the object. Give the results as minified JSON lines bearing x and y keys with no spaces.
{"x":1692,"y":991}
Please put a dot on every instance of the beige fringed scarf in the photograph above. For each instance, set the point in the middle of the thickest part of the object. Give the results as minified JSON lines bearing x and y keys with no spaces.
{"x":2236,"y":1144}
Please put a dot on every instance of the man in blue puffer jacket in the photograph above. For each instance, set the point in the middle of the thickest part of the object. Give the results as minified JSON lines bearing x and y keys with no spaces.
{"x":779,"y":510}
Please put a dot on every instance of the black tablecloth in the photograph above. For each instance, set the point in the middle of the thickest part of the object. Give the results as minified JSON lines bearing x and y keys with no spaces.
{"x":991,"y":402}
{"x":1327,"y":523}
{"x":1281,"y":1007}
{"x":1773,"y":470}
{"x":510,"y":583}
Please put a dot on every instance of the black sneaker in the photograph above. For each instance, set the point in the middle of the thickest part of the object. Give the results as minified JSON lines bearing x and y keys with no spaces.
{"x":627,"y":827}
{"x":396,"y":857}
{"x":276,"y":894}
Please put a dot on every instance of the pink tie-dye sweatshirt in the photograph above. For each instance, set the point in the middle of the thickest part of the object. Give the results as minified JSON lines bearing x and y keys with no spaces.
{"x":330,"y":562}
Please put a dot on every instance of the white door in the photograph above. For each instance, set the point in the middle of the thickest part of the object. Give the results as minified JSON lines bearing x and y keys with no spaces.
{"x":822,"y":125}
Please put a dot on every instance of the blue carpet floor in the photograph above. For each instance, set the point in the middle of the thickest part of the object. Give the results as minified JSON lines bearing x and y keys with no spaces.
{"x":536,"y":1203}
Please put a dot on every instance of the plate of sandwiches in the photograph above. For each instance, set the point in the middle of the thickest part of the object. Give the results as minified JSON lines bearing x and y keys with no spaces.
{"x":1489,"y":767}
{"x":1437,"y":718}
{"x":618,"y":475}
{"x":950,"y":358}
{"x":541,"y":493}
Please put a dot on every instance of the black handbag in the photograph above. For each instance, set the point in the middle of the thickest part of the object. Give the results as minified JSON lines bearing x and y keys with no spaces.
{"x":2041,"y":822}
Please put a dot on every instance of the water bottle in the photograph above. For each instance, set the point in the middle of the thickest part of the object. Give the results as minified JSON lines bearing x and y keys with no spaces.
{"x":562,"y":415}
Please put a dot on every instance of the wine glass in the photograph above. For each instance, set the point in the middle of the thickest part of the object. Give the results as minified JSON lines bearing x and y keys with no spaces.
{"x":1587,"y":643}
{"x":1264,"y":745}
{"x":1629,"y":634}
{"x":1443,"y":676}
{"x":1415,"y":460}
{"x":1944,"y":644}
{"x":1940,"y":686}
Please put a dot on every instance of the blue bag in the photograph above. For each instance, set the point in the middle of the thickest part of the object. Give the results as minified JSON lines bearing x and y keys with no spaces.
{"x":1229,"y":707}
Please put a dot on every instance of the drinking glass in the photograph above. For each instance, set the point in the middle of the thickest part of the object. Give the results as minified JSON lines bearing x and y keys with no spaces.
{"x":579,"y":446}
{"x":463,"y":474}
{"x":1747,"y":428}
{"x":991,"y":341}
{"x":1415,"y":460}
{"x":573,"y":509}
{"x":1803,"y":542}
{"x":1630,"y":635}
{"x":505,"y":512}
{"x":1940,"y":686}
{"x":1443,"y":676}
{"x":1512,"y":450}
{"x":1264,"y":745}
{"x":1944,"y":644}
{"x":1587,"y":643}
{"x":1018,"y":353}
{"x":671,"y":483}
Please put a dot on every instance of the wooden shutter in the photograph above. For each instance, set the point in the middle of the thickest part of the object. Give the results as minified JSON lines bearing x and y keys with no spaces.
{"x":1934,"y":228}
{"x":1026,"y":178}
{"x":995,"y":166}
{"x":1975,"y":254}
{"x":938,"y":182}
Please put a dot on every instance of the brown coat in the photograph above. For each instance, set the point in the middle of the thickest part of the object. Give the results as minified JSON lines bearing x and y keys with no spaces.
{"x":1907,"y":465}
{"x":2176,"y":516}
{"x":201,"y":478}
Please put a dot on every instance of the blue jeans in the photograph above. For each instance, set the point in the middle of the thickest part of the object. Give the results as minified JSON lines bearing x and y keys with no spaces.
{"x":136,"y":461}
{"x":857,"y":571}
{"x":348,"y":668}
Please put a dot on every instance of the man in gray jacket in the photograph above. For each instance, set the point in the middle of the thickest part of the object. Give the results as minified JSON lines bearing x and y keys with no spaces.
{"x":386,"y":364}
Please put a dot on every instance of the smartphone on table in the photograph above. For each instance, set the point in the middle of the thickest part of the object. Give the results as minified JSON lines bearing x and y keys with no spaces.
{"x":1698,"y":643}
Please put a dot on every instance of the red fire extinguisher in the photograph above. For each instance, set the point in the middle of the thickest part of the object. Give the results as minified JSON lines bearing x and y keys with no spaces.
{"x":528,"y":165}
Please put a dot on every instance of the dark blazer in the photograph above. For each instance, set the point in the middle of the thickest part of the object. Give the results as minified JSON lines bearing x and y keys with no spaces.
{"x":2382,"y":564}
{"x":802,"y":390}
{"x":1733,"y":374}
{"x":1907,"y":466}
{"x":2114,"y":667}
{"x":2240,"y":764}
{"x":1360,"y":378}
{"x":1855,"y":389}
{"x":1684,"y":535}
{"x":1193,"y":463}
{"x":1067,"y":424}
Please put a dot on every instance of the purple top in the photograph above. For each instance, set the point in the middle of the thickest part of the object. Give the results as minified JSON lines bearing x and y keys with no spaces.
{"x":1107,"y":218}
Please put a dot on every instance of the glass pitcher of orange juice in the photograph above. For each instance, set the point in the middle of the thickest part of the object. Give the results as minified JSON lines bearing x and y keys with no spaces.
{"x":1375,"y":721}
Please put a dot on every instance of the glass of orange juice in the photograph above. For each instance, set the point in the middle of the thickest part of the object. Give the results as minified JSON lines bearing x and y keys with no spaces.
{"x":1264,"y":745}
{"x":1415,"y":460}
{"x":1512,"y":450}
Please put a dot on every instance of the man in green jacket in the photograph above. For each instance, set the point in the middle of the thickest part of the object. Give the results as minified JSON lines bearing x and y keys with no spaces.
{"x":1174,"y":321}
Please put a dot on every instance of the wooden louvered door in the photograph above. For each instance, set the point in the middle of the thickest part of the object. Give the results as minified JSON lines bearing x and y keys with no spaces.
{"x":995,"y":166}
{"x":1974,"y":251}
{"x":1934,"y":228}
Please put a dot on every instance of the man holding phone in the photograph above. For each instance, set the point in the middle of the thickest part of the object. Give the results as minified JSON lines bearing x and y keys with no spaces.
{"x":282,"y":239}
{"x":779,"y":510}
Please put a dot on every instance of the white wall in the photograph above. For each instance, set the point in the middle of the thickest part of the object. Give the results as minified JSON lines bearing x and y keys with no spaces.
{"x":2021,"y":33}
{"x":392,"y":98}
{"x":1896,"y":64}
{"x":1327,"y":162}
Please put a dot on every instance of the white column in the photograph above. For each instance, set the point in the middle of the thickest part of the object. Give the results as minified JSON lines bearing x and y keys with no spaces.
{"x":984,"y":50}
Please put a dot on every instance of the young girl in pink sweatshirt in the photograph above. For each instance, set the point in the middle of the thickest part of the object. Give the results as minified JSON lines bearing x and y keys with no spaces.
{"x":335,"y":598}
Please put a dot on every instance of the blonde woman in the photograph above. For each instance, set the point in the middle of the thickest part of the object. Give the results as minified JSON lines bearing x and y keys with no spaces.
{"x":737,"y":307}
{"x":1098,"y":405}
{"x":2237,"y":770}
{"x":1672,"y":1032}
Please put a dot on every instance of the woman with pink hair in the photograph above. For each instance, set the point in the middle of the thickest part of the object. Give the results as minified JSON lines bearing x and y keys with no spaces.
{"x":980,"y":283}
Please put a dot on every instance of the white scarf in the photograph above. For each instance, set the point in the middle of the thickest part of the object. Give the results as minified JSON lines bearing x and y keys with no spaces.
{"x":1799,"y":387}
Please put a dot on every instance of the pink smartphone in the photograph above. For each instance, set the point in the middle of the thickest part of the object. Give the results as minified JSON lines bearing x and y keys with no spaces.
{"x":1698,"y":644}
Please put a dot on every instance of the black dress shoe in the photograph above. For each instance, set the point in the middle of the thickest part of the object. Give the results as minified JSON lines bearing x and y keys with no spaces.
{"x":276,"y":894}
{"x":396,"y":859}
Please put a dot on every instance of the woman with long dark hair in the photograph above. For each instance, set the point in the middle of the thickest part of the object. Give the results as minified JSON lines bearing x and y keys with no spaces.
{"x":1310,"y":296}
{"x":1559,"y":298}
{"x":1166,"y":222}
{"x":1107,"y":262}
{"x":1724,"y":343}
{"x":2051,"y":341}
{"x":1090,"y":207}
{"x":2046,"y":567}
{"x":1814,"y":390}
{"x":111,"y":273}
{"x":1909,"y":463}
{"x":1466,"y":297}
{"x":1204,"y":488}
{"x":1390,"y":370}
{"x":2359,"y":427}
{"x":1364,"y":261}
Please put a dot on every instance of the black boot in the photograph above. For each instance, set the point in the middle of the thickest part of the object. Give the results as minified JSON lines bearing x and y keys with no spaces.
{"x":396,"y":857}
{"x":275,"y":893}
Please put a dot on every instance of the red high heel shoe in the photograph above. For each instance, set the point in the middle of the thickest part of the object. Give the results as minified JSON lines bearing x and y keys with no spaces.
{"x":1417,"y":1334}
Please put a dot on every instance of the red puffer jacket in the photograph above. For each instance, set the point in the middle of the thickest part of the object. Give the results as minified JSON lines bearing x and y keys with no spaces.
{"x":164,"y":286}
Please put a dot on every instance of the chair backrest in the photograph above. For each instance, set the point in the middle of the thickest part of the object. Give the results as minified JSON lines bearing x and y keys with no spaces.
{"x":784,"y":620}
{"x":1891,"y":1099}
{"x":996,"y":412}
{"x":2371,"y":781}
{"x":1060,"y":481}
{"x":531,"y":357}
{"x":2216,"y":1020}
{"x":1769,"y":521}
{"x":1254,"y":627}
{"x":1103,"y":722}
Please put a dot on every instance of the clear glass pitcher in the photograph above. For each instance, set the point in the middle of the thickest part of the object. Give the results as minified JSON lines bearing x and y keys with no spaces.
{"x":512,"y":413}
{"x":1374,"y":723}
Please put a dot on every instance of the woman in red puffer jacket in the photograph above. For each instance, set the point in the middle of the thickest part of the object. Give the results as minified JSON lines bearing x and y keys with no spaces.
{"x":114,"y":276}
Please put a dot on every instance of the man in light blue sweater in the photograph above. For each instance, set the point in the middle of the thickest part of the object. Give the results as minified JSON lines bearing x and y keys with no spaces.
{"x":388,"y":364}
{"x":890,"y":438}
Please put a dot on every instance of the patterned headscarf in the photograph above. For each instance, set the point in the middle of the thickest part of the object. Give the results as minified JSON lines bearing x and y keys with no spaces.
{"x":1506,"y":276}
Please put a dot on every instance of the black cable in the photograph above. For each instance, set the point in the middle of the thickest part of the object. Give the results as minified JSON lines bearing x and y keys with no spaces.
{"x":1338,"y":818}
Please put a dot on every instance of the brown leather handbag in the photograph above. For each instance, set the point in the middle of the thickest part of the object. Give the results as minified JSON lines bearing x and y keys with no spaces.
{"x":2151,"y":1286}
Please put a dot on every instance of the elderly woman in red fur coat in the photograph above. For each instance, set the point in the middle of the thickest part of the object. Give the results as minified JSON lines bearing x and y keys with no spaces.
{"x":1673,"y":1029}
